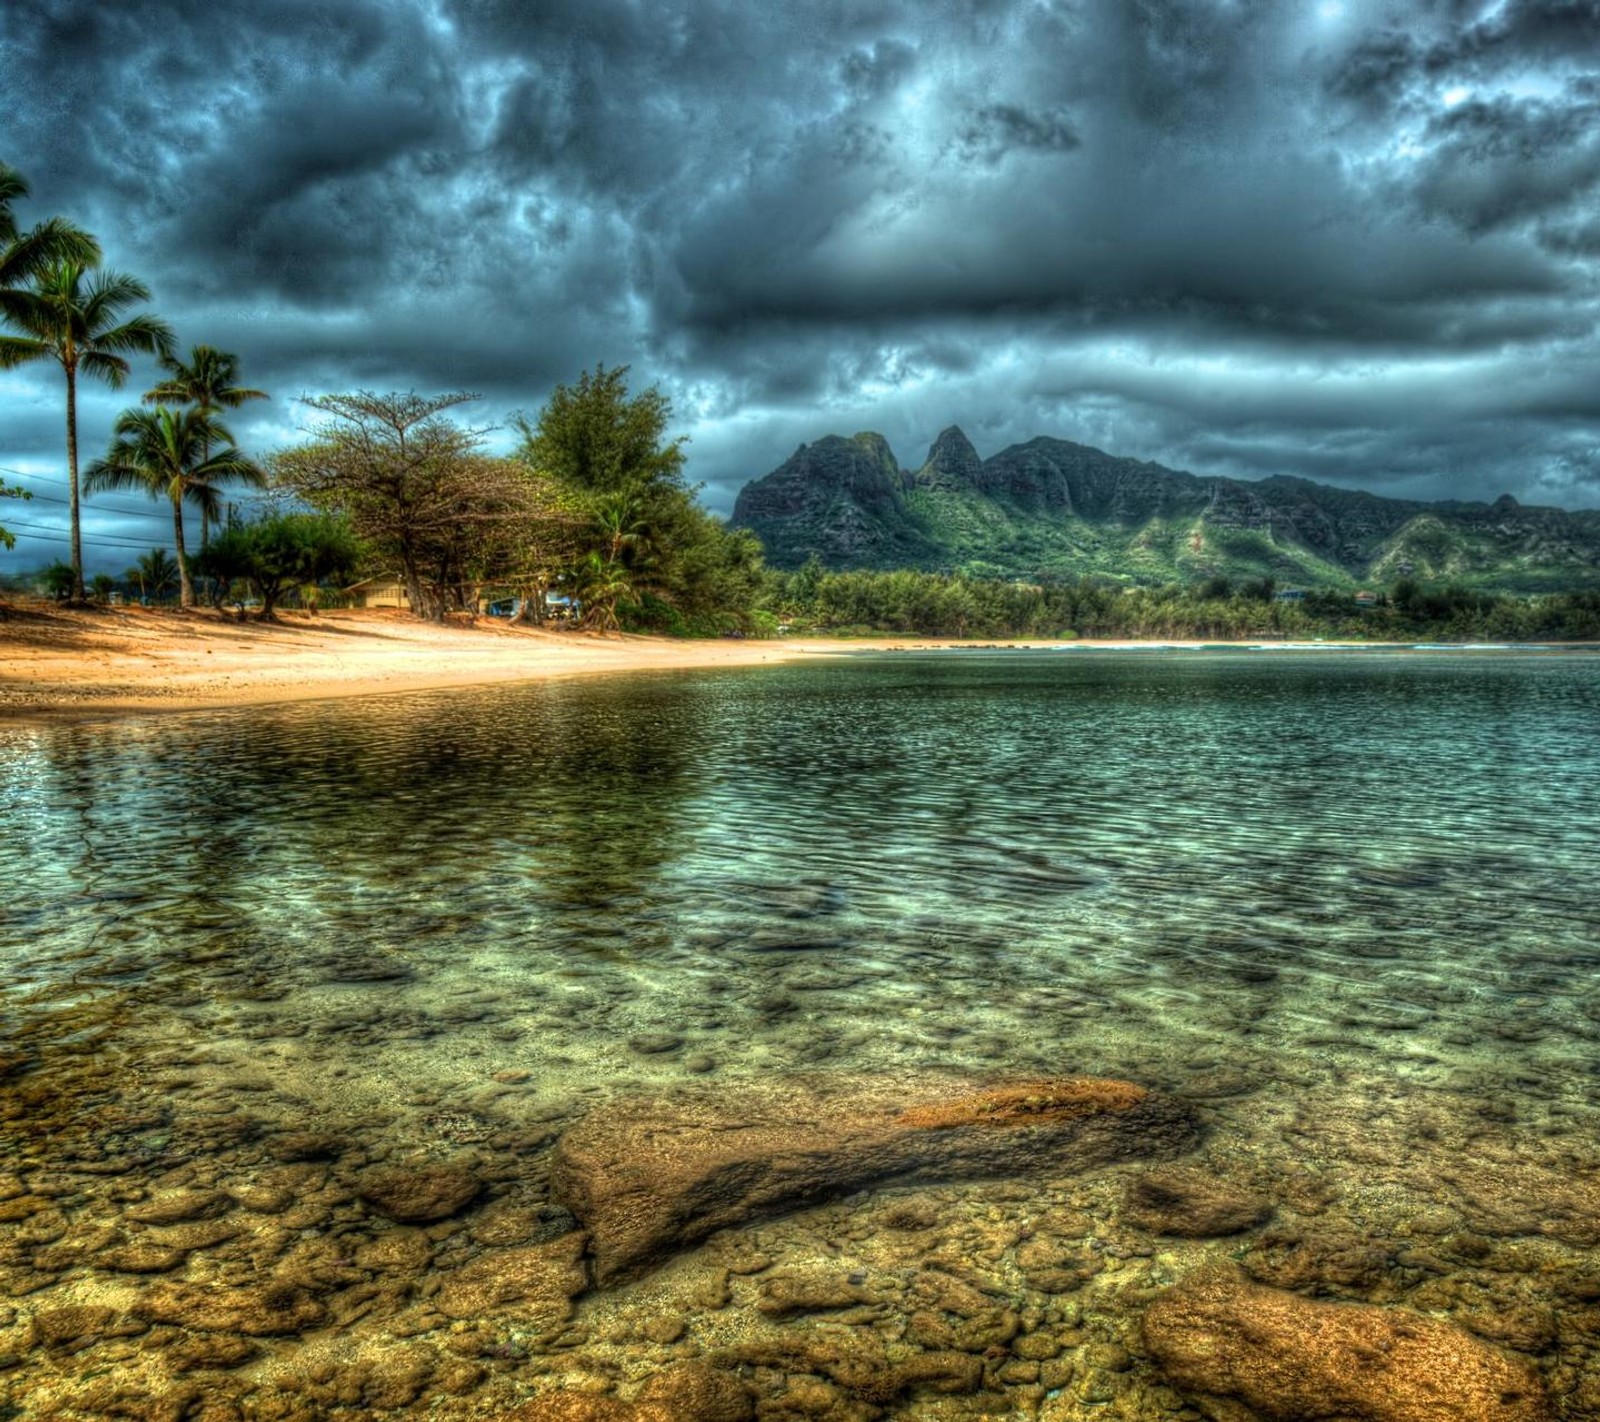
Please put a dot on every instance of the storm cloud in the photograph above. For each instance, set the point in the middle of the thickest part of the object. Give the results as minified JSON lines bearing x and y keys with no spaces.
{"x":1355,"y":240}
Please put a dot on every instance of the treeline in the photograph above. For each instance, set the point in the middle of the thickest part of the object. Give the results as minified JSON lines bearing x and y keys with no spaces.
{"x":943,"y":605}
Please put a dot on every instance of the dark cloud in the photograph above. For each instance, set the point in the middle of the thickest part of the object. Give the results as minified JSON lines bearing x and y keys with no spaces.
{"x":1352,"y":239}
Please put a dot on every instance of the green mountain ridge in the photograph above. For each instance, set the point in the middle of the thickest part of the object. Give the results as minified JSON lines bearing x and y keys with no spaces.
{"x":1052,"y":509}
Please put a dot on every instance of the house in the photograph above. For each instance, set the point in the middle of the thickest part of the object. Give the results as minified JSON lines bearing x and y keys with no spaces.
{"x":1290,"y":595}
{"x":385,"y":591}
{"x":1366,"y":599}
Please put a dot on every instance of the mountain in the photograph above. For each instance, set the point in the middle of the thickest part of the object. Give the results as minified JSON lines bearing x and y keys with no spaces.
{"x":1051,"y":508}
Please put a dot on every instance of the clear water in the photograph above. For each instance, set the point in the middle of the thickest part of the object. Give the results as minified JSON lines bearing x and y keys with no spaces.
{"x":1346,"y":900}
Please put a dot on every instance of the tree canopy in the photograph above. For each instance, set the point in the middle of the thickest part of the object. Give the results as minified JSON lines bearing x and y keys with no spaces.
{"x":282,"y":552}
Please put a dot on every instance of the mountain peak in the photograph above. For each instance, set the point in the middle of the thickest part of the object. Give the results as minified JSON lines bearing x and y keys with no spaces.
{"x":951,"y":458}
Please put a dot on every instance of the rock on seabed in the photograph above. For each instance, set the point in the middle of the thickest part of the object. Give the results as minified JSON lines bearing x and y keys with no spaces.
{"x":648,"y":1177}
{"x":1246,"y":1352}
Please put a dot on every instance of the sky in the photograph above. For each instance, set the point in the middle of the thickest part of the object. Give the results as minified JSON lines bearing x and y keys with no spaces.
{"x":1352,"y":240}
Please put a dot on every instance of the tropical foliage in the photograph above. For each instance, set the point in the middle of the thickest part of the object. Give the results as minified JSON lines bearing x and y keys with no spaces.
{"x":172,"y":454}
{"x":26,"y":254}
{"x":153,"y":574}
{"x":417,"y":488}
{"x":645,"y":554}
{"x":280,"y":553}
{"x":937,"y":605}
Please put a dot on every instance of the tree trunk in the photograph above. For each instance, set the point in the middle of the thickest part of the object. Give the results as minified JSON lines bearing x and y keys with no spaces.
{"x":416,"y":593}
{"x":72,"y":483}
{"x":185,"y":587}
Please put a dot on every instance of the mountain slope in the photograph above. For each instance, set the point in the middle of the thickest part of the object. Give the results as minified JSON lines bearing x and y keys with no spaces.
{"x":1051,"y":508}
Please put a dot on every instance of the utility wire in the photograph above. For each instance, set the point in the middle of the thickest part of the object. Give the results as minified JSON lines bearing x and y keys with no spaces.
{"x":67,"y":484}
{"x":96,"y":508}
{"x":47,"y":534}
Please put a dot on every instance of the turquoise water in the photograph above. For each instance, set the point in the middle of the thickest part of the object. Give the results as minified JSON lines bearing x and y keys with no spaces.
{"x":1347,"y":901}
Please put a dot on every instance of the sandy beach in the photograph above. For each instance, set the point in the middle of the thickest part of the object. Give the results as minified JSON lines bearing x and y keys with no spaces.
{"x":114,"y":660}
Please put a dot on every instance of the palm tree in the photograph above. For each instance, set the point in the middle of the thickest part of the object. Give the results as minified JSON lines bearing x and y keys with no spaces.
{"x":164,"y":452}
{"x":207,"y":384}
{"x":25,"y":254}
{"x":72,"y":318}
{"x":155,"y":572}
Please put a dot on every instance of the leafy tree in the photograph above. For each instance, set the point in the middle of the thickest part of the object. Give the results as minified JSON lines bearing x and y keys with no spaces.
{"x":207,"y":384}
{"x":67,"y":316}
{"x":420,"y":493}
{"x":282,"y":552}
{"x":592,"y":436}
{"x":645,"y":555}
{"x":163,"y":452}
{"x":102,"y":587}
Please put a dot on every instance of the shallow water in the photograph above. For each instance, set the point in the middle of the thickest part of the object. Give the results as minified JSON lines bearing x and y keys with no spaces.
{"x":1345,"y":901}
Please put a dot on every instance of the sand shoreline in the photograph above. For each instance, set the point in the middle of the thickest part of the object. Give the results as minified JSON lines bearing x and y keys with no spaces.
{"x":122,"y":661}
{"x":118,"y":661}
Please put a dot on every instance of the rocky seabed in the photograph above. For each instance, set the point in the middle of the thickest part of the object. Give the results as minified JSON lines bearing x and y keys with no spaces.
{"x":180,"y":1240}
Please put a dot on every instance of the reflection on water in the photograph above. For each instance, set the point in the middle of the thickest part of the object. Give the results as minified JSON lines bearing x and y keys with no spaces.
{"x":1346,"y":901}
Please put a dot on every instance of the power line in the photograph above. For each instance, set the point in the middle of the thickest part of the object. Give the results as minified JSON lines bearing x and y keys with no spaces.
{"x":96,"y":508}
{"x":47,"y":534}
{"x":67,"y":484}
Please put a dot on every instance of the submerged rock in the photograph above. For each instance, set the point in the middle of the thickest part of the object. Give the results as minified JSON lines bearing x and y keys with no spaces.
{"x":690,"y":1392}
{"x":1192,"y":1204}
{"x":539,"y":1281}
{"x":272,"y":1309}
{"x":419,"y":1194}
{"x":647,"y":1177}
{"x":1246,"y":1352}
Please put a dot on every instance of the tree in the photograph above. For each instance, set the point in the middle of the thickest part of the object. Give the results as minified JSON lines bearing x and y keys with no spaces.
{"x":57,"y":580}
{"x":164,"y":452}
{"x":102,"y":587}
{"x":206,"y":383}
{"x":283,"y":551}
{"x":74,"y":319}
{"x":609,"y":453}
{"x":420,"y":493}
{"x":154,"y":572}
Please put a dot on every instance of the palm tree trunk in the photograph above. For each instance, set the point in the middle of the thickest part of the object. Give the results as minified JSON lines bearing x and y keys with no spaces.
{"x":185,"y":587}
{"x":72,"y":483}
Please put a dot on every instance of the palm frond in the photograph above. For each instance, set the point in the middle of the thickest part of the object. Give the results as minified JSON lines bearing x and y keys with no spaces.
{"x":207,"y":498}
{"x":29,"y":311}
{"x":20,"y":350}
{"x":111,"y":474}
{"x":56,"y":240}
{"x":205,"y":382}
{"x":145,"y":335}
{"x":12,"y":186}
{"x":108,"y":293}
{"x":110,"y":368}
{"x":229,"y":465}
